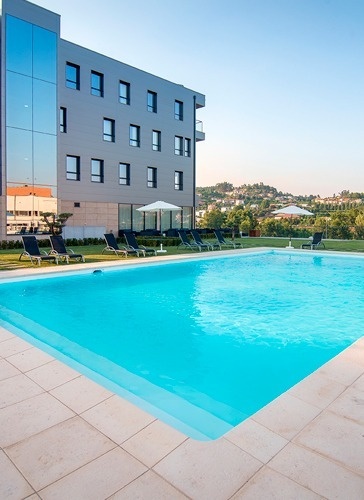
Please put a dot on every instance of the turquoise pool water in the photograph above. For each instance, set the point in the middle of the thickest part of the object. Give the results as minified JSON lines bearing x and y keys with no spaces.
{"x":201,"y":344}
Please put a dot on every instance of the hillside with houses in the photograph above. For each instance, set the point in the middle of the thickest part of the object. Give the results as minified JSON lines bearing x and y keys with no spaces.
{"x":250,"y":206}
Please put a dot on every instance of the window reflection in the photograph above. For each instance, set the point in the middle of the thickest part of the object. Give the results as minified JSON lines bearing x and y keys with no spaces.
{"x":19,"y":46}
{"x":44,"y":54}
{"x":31,"y":124}
{"x":44,"y":106}
{"x":18,"y":101}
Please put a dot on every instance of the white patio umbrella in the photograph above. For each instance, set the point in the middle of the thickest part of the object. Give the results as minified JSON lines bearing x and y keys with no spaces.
{"x":159,"y":206}
{"x":293,"y":211}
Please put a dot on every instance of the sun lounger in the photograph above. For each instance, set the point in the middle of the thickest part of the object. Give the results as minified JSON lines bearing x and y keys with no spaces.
{"x":31,"y":250}
{"x":59,"y":249}
{"x":222,"y":242}
{"x":112,"y":246}
{"x":132,"y":244}
{"x":185,"y":242}
{"x":315,"y":242}
{"x":198,"y":240}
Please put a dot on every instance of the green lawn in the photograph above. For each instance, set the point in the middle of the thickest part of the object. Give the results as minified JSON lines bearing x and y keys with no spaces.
{"x":9,"y":259}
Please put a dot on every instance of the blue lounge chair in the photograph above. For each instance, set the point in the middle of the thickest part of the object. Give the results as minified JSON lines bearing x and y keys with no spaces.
{"x":112,"y":246}
{"x":31,"y":250}
{"x":132,"y":244}
{"x":185,"y":242}
{"x":221,"y":241}
{"x":315,"y":242}
{"x":198,"y":240}
{"x":59,"y":249}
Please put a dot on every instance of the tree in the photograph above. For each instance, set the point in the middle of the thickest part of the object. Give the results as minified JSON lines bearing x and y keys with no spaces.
{"x":213,"y":219}
{"x":359,"y":226}
{"x":54,"y":222}
{"x":241,"y":219}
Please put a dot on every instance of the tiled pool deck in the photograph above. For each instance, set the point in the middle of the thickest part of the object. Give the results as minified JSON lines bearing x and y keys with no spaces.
{"x":63,"y":436}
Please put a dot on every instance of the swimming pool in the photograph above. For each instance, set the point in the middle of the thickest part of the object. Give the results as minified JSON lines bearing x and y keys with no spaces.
{"x":201,"y":344}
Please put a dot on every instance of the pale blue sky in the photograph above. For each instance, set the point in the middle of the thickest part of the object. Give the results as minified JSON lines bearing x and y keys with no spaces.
{"x":283,"y":79}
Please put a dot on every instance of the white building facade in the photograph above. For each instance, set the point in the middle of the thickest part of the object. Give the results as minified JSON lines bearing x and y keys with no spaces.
{"x":104,"y":137}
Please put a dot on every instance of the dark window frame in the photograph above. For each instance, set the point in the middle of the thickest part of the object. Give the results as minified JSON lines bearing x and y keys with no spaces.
{"x":152,"y":177}
{"x":73,"y":175}
{"x":152,"y":101}
{"x":187,"y":147}
{"x":109,"y":136}
{"x":98,"y":90}
{"x":73,"y":83}
{"x":178,"y":110}
{"x":63,"y":120}
{"x":178,"y":145}
{"x":124,"y":99}
{"x":156,"y":144}
{"x":124,"y":180}
{"x":178,"y":180}
{"x":134,"y":142}
{"x":98,"y":178}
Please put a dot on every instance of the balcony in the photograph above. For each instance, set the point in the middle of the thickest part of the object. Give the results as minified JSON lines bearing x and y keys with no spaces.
{"x":200,"y":134}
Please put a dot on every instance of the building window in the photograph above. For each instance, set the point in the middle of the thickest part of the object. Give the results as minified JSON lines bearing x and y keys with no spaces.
{"x":97,"y":170}
{"x":73,"y":168}
{"x":63,"y":120}
{"x":72,"y":76}
{"x":151,"y":177}
{"x":109,"y":130}
{"x":178,"y":145}
{"x":134,"y":136}
{"x":178,"y":181}
{"x":152,"y":101}
{"x":124,"y":174}
{"x":188,"y":147}
{"x":124,"y":92}
{"x":156,"y":140}
{"x":178,"y":110}
{"x":97,"y":84}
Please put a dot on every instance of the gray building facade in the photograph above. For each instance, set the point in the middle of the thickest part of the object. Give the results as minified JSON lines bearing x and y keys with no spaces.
{"x":86,"y":134}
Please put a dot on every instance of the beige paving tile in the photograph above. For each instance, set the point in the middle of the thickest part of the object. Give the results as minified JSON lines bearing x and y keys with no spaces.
{"x":208,"y":470}
{"x":317,"y":390}
{"x":337,"y":438}
{"x":286,"y":415}
{"x":81,"y":393}
{"x":13,"y":346}
{"x":12,"y":483}
{"x":355,"y":353}
{"x":318,"y":473}
{"x":98,"y":479}
{"x":57,"y":451}
{"x":342,"y":369}
{"x":270,"y":484}
{"x":52,"y":374}
{"x":5,"y":334}
{"x":29,"y":417}
{"x":149,"y":486}
{"x":17,"y":388}
{"x":30,"y":359}
{"x":257,"y":440}
{"x":350,"y":405}
{"x":153,"y":442}
{"x":117,"y":418}
{"x":7,"y":370}
{"x":358,"y":385}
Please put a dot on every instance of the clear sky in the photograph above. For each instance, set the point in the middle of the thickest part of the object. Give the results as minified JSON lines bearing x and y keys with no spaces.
{"x":283,"y":79}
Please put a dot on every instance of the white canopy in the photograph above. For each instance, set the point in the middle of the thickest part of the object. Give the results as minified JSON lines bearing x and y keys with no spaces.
{"x":158,"y":206}
{"x":292,"y":210}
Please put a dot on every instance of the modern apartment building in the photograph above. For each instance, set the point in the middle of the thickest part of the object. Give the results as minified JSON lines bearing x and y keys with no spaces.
{"x":99,"y":137}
